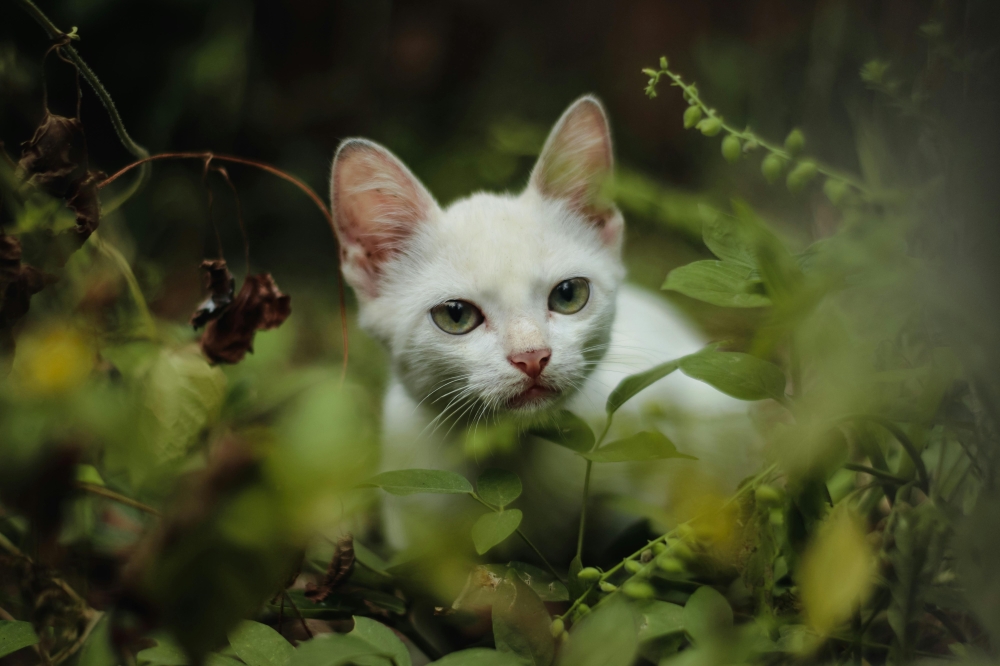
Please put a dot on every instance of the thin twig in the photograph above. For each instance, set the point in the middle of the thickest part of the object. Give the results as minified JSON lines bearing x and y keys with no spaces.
{"x":239,"y":214}
{"x":68,"y":652}
{"x":521,"y":534}
{"x":877,"y":473}
{"x":4,"y":615}
{"x":106,"y":493}
{"x":904,"y":441}
{"x":298,"y":613}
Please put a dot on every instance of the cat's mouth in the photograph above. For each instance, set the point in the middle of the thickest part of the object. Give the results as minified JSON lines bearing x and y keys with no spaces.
{"x":532,"y":397}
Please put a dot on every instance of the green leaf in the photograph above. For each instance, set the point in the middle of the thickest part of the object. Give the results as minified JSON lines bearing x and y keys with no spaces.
{"x":492,"y":528}
{"x":15,"y":636}
{"x":606,"y":637}
{"x":640,"y":446}
{"x":707,"y":616}
{"x":719,"y":283}
{"x":631,"y":385}
{"x":566,"y":429}
{"x":542,"y":582}
{"x":97,"y":651}
{"x":411,"y":481}
{"x":369,"y":559}
{"x":739,"y":375}
{"x":498,"y":486}
{"x":259,"y":645}
{"x":730,"y":239}
{"x":166,"y":652}
{"x":659,"y":618}
{"x":479,"y":657}
{"x":334,"y":650}
{"x":382,"y":639}
{"x":521,"y":623}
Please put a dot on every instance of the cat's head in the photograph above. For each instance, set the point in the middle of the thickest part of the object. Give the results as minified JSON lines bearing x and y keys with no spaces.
{"x":497,"y":303}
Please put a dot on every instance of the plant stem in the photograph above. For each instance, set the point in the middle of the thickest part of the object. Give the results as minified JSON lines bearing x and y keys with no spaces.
{"x":524,"y":537}
{"x":586,"y":488}
{"x":877,"y":473}
{"x":54,"y":33}
{"x":101,"y":491}
{"x":298,"y":613}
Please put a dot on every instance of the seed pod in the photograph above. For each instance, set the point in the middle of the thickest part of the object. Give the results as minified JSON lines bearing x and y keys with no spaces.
{"x":795,"y":141}
{"x":663,"y":62}
{"x":581,"y":610}
{"x":670,"y":565}
{"x":800,"y":176}
{"x":835,"y":190}
{"x":682,"y":550}
{"x":710,"y":126}
{"x":691,"y":116}
{"x":632,"y":566}
{"x":588,"y":574}
{"x":638,"y":590}
{"x":732,"y":149}
{"x":684,"y":532}
{"x":608,"y":587}
{"x":768,"y":495}
{"x":771,"y":167}
{"x":659,"y":548}
{"x":558,"y":628}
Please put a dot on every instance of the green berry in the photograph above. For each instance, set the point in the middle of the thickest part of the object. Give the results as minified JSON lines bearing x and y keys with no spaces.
{"x":582,"y":610}
{"x":691,"y":116}
{"x":558,"y":627}
{"x":682,"y":551}
{"x":767,"y":495}
{"x":608,"y":587}
{"x":795,"y":141}
{"x":710,"y":126}
{"x":732,"y":149}
{"x":588,"y":574}
{"x":632,"y":566}
{"x":663,"y":62}
{"x":646,"y":556}
{"x":835,"y":190}
{"x":670,"y":565}
{"x":771,"y":167}
{"x":659,"y":547}
{"x":638,"y":590}
{"x":800,"y":176}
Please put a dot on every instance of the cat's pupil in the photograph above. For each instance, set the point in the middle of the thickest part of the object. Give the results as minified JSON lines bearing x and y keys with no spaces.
{"x":455,"y":311}
{"x":566,"y":291}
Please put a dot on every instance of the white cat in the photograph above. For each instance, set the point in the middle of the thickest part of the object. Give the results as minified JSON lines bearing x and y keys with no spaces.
{"x":511,"y":305}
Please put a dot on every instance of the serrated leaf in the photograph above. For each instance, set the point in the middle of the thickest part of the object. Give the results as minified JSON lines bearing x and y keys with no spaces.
{"x":640,"y":446}
{"x":633,"y":384}
{"x":15,"y":636}
{"x":382,"y":639}
{"x":493,"y":528}
{"x":259,"y":645}
{"x":659,"y":618}
{"x":566,"y":429}
{"x":707,"y":616}
{"x":719,"y":283}
{"x":412,"y":481}
{"x":498,"y":486}
{"x":521,"y":623}
{"x":479,"y":657}
{"x":606,"y":637}
{"x":739,"y":375}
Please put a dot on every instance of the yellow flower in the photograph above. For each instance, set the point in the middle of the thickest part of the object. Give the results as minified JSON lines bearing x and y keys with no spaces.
{"x":54,"y":361}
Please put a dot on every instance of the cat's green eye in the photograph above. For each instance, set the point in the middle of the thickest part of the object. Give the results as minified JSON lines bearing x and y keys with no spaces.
{"x":569,"y":296}
{"x":456,"y":317}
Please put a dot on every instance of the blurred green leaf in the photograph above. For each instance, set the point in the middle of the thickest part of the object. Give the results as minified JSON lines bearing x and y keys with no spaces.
{"x":606,"y":637}
{"x":411,"y":481}
{"x":730,"y":239}
{"x":707,"y":616}
{"x":739,"y":375}
{"x":98,"y":651}
{"x":335,"y":650}
{"x":479,"y":657}
{"x":640,"y":446}
{"x":521,"y":623}
{"x":382,"y":639}
{"x":542,"y":582}
{"x":259,"y":645}
{"x":165,"y":653}
{"x":498,"y":486}
{"x":493,"y":528}
{"x":566,"y":429}
{"x":15,"y":636}
{"x":633,"y":384}
{"x":658,"y":619}
{"x":719,"y":283}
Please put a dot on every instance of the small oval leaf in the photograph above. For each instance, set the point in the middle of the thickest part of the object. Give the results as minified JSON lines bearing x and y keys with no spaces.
{"x":15,"y":636}
{"x":640,"y":446}
{"x":707,"y":616}
{"x":493,"y":528}
{"x":566,"y":429}
{"x":631,"y":385}
{"x":739,"y":375}
{"x":498,"y":486}
{"x":382,"y":639}
{"x":521,"y":623}
{"x":259,"y":645}
{"x":411,"y":481}
{"x":659,"y":619}
{"x":719,"y":283}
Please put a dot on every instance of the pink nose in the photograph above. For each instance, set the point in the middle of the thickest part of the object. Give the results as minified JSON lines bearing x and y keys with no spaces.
{"x":532,"y":362}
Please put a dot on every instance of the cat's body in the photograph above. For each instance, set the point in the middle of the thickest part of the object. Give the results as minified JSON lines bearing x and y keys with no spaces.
{"x":508,"y":307}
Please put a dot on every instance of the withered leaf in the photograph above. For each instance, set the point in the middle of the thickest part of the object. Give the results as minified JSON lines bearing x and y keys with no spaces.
{"x":341,"y":565}
{"x":221,"y":286}
{"x":18,"y":283}
{"x":258,"y":306}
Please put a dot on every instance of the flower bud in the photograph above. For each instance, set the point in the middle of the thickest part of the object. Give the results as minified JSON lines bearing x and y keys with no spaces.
{"x":835,"y":190}
{"x":588,"y":574}
{"x":800,"y":176}
{"x":795,"y":141}
{"x":710,"y":126}
{"x":582,"y":610}
{"x":651,"y":73}
{"x":663,"y":62}
{"x":558,"y":627}
{"x":691,"y":116}
{"x":632,"y":566}
{"x":732,"y":149}
{"x":766,"y":495}
{"x":608,"y":587}
{"x":638,"y":590}
{"x":771,"y":167}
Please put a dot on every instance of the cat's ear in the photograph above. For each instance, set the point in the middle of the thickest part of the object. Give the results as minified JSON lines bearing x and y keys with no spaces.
{"x":576,"y":163}
{"x":377,"y":204}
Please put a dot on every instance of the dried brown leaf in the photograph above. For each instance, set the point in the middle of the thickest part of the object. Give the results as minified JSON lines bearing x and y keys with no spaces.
{"x":221,"y":287}
{"x":341,"y":565}
{"x":258,"y":306}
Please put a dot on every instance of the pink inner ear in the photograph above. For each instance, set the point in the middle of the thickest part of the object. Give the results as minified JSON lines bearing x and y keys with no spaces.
{"x":377,"y":205}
